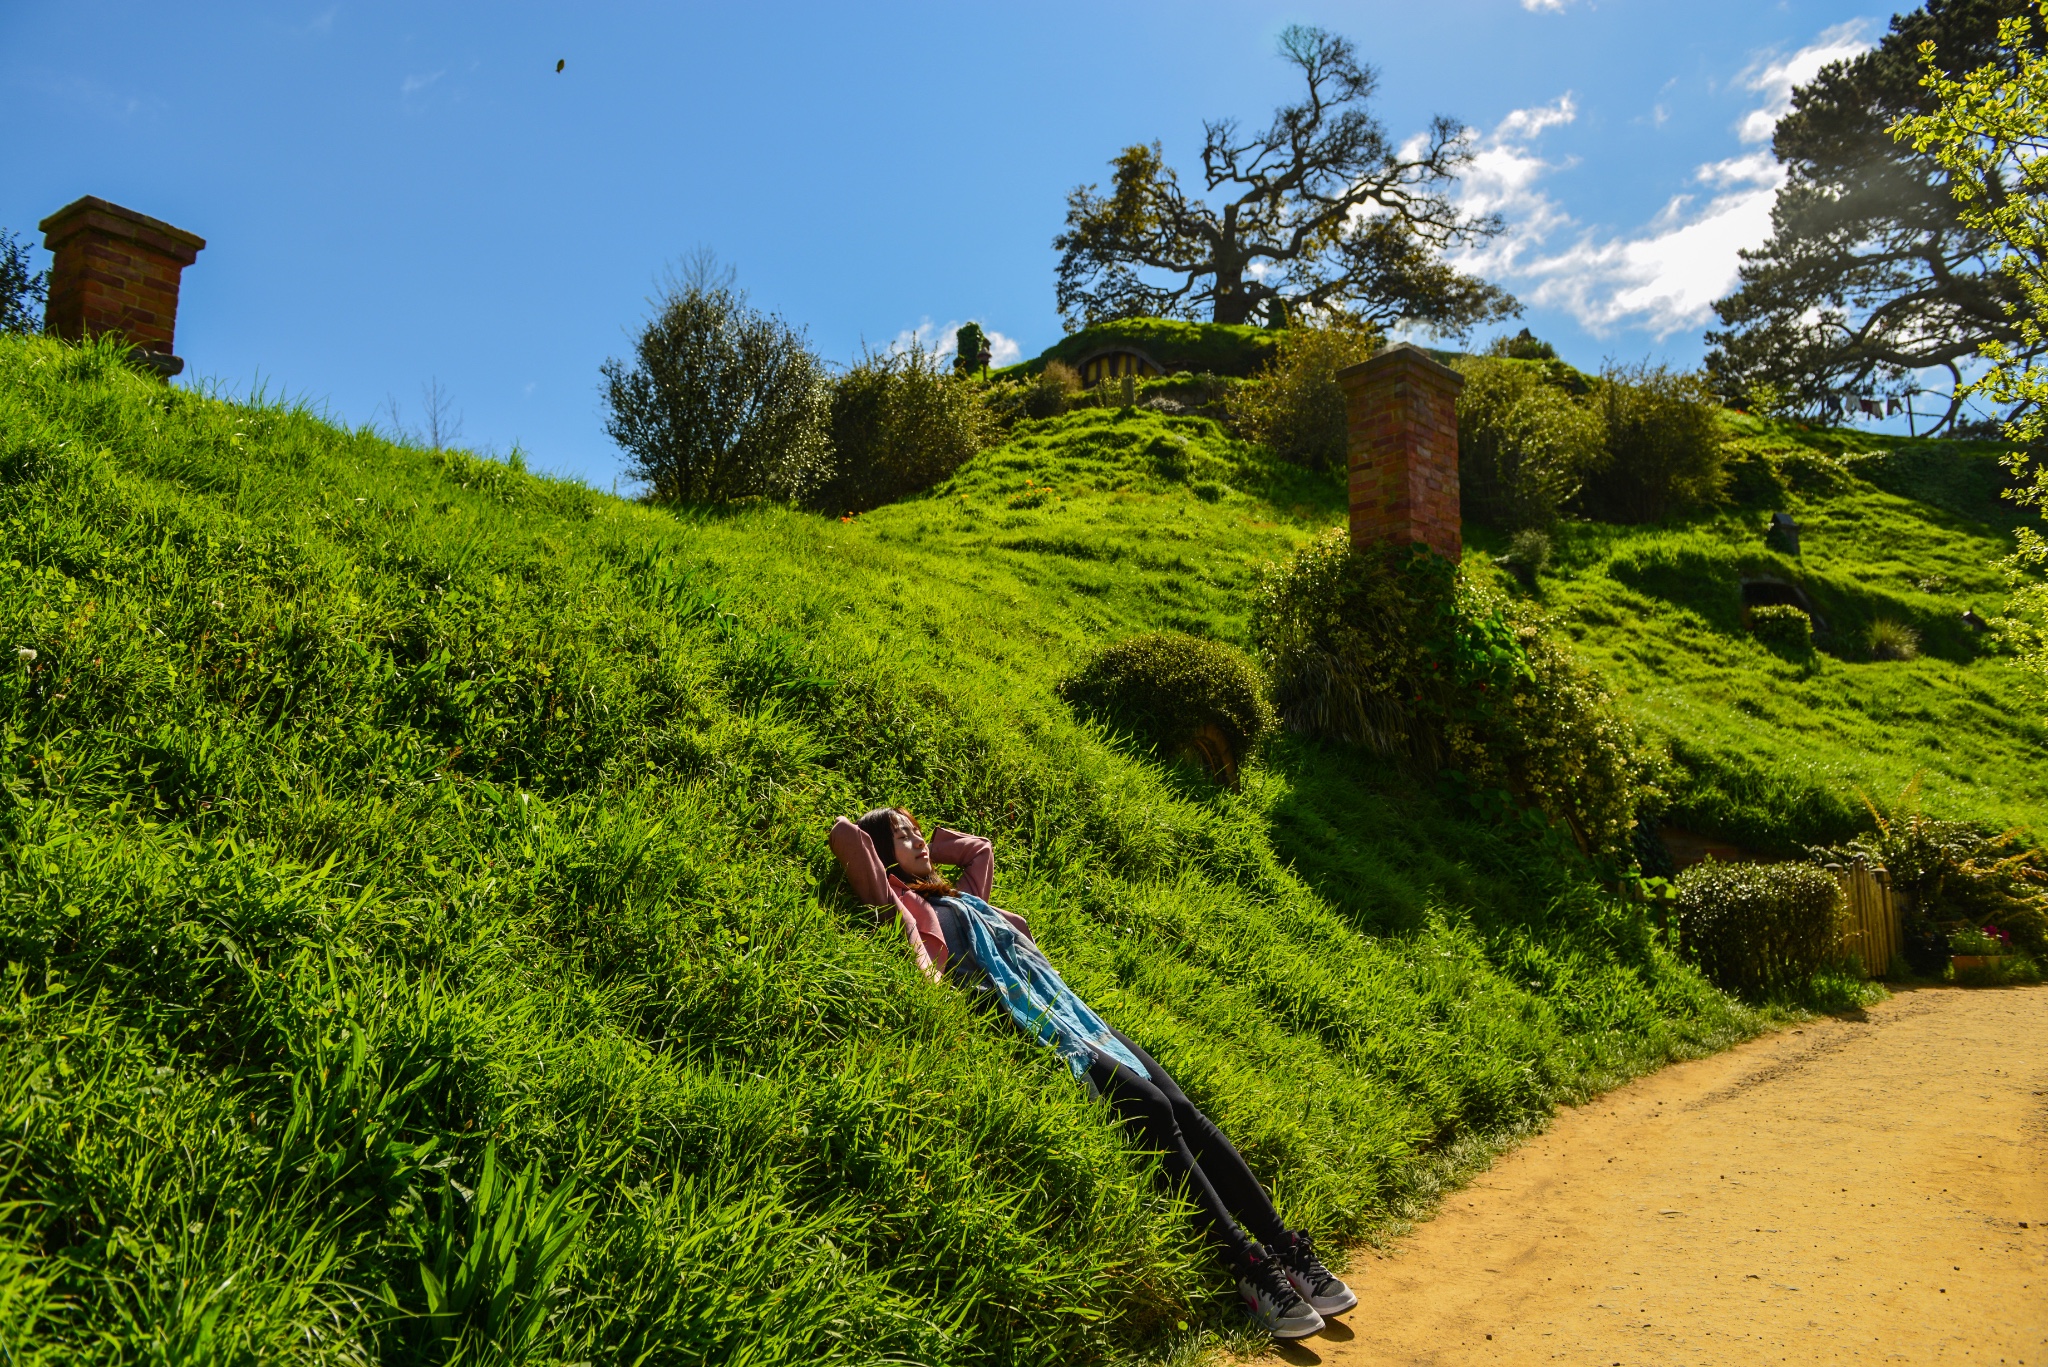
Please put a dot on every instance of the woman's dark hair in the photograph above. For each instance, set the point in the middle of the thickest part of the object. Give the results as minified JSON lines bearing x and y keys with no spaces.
{"x":881,"y":831}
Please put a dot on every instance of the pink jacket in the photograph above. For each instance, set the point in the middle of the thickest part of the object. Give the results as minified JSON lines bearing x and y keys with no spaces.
{"x":876,"y":886}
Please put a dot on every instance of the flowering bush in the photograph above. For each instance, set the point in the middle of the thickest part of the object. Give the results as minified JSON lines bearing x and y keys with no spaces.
{"x":1952,"y":871}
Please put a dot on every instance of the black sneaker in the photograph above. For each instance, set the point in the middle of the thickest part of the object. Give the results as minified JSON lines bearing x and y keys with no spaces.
{"x":1271,"y":1297}
{"x":1312,"y":1281}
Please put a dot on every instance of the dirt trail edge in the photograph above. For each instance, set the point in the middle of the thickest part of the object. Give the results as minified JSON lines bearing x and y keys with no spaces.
{"x":1863,"y":1189}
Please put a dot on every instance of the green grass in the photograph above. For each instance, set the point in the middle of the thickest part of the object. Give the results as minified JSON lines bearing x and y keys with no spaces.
{"x":1774,"y":753}
{"x":372,"y":819}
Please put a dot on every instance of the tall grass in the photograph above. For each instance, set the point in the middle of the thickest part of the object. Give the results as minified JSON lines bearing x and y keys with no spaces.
{"x":420,"y":943}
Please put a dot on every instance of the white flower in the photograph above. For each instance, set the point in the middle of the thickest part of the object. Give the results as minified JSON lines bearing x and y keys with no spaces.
{"x":25,"y":655}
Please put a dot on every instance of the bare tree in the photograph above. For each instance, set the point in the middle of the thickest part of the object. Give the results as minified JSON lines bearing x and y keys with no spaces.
{"x":442,"y":427}
{"x":1320,"y":212}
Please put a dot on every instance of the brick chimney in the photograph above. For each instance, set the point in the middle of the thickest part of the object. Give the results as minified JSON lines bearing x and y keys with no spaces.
{"x":1402,"y":409}
{"x":117,"y":271}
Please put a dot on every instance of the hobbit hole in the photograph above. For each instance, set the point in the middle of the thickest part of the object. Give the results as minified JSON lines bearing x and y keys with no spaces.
{"x":1115,"y":364}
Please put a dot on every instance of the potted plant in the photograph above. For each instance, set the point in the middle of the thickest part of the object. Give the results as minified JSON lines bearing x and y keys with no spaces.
{"x":1976,"y":946}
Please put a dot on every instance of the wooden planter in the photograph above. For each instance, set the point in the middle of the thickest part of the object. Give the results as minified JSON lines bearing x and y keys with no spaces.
{"x":1962,"y":961}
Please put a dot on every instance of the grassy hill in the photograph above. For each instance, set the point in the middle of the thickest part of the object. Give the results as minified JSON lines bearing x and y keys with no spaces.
{"x":419,"y":931}
{"x":1774,"y":753}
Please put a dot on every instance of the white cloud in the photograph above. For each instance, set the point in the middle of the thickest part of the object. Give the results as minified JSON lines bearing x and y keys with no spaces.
{"x":940,"y":342}
{"x":1544,"y":6}
{"x":1664,"y":277}
{"x":415,"y":84}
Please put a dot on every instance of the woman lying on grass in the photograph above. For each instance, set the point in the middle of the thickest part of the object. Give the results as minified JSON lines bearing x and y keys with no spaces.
{"x":958,"y":937}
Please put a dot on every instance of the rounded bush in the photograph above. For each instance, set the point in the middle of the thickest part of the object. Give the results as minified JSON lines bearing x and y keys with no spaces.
{"x":1179,"y":694}
{"x":1051,"y":391}
{"x":1756,"y":929}
{"x":1781,"y":627}
{"x":1664,"y":445}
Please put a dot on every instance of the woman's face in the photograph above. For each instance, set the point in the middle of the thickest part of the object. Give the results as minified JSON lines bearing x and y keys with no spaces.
{"x":913,"y":856}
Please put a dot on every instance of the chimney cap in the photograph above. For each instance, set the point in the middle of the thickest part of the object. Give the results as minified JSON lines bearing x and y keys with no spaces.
{"x":114,"y":220}
{"x":1407,"y":353}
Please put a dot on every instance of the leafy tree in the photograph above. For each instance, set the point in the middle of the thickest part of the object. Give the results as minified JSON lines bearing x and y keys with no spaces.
{"x":723,"y":402}
{"x":1319,"y":213}
{"x":1523,"y":346}
{"x":1989,"y":132}
{"x":1872,"y":270}
{"x":22,"y":291}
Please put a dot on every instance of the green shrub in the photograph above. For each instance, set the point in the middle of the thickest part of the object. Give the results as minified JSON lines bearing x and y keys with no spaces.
{"x":721,"y":403}
{"x":1178,"y":694}
{"x":899,"y":425}
{"x":1296,"y":406}
{"x":1663,"y":445}
{"x":1758,"y":929}
{"x":1893,"y":640}
{"x":1524,"y":444}
{"x":1051,"y":391}
{"x":1523,"y":346}
{"x":1783,"y":628}
{"x":1399,"y":653}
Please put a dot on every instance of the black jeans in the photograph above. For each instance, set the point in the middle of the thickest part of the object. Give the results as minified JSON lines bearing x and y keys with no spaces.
{"x":1192,"y":1152}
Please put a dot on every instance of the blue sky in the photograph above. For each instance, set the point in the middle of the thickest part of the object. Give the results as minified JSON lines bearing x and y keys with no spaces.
{"x":392,"y":193}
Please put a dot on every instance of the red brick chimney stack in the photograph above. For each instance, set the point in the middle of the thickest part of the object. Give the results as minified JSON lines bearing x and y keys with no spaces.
{"x":1402,"y":409}
{"x":117,"y":271}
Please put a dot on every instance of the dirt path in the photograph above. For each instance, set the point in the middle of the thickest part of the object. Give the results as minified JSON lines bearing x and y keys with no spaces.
{"x":1857,"y":1190}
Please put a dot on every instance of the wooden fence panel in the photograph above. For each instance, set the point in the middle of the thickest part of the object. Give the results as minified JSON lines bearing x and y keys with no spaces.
{"x":1871,"y":931}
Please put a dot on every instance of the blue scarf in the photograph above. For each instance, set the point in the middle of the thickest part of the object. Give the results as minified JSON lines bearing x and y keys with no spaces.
{"x":1041,"y":1003}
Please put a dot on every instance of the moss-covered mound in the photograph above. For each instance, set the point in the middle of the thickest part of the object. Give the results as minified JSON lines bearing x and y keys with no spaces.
{"x":1204,"y":348}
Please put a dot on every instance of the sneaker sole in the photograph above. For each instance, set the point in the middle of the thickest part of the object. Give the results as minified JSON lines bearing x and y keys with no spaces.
{"x":1289,"y":1331}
